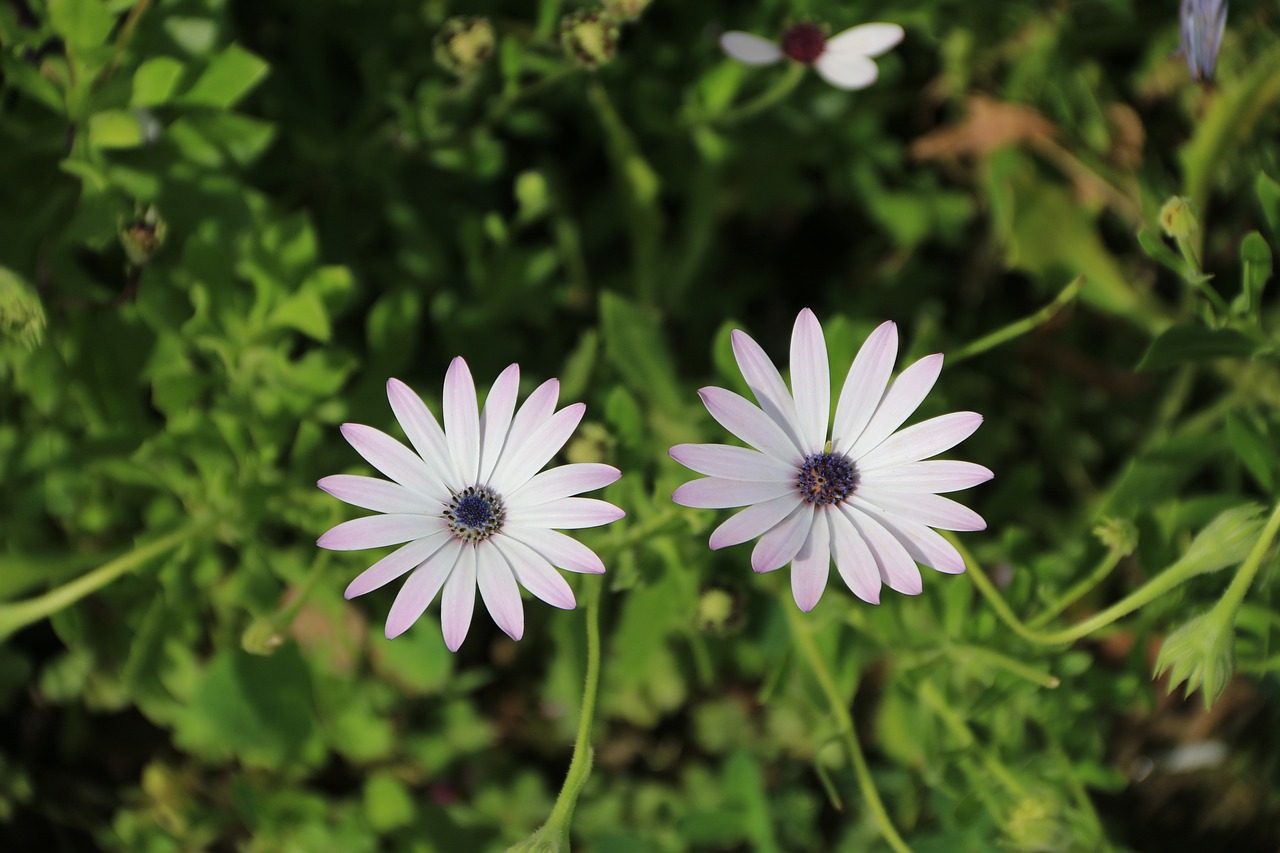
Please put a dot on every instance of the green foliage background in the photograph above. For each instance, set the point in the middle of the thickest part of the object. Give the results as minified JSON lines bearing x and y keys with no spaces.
{"x":335,"y":208}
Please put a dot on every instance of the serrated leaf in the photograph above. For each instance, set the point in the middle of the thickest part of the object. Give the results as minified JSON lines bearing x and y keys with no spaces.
{"x":230,"y":76}
{"x":1184,"y":344}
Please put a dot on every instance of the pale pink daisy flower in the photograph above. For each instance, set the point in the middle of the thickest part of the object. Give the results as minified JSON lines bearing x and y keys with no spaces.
{"x":863,"y":498}
{"x":844,"y":60}
{"x":470,"y":504}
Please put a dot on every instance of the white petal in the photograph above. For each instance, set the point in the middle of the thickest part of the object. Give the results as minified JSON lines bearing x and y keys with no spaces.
{"x":731,"y":463}
{"x":766,"y":384}
{"x":864,"y":386}
{"x":566,"y":514}
{"x":498,"y":590}
{"x":529,"y":419}
{"x":738,"y":416}
{"x":423,"y":431}
{"x":714,"y":493}
{"x":515,"y":469}
{"x":394,"y":459}
{"x":421,"y":588}
{"x":561,"y":550}
{"x":846,"y":71}
{"x":459,"y":599}
{"x":462,"y":422}
{"x":780,"y":545}
{"x":397,"y":563}
{"x":895,"y":565}
{"x":495,"y":418}
{"x":563,"y":482}
{"x":925,"y":546}
{"x":934,"y":476}
{"x":903,"y":397}
{"x":377,"y":495}
{"x":810,"y":380}
{"x":931,"y":510}
{"x":375,"y":531}
{"x":812,"y":564}
{"x":922,"y":440}
{"x":854,"y":560}
{"x":752,"y":521}
{"x":866,"y":39}
{"x":534,"y":572}
{"x":750,"y":49}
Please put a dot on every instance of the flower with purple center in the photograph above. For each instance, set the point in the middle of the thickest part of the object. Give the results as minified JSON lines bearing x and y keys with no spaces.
{"x":469,"y":509}
{"x":844,"y":60}
{"x":867,"y":496}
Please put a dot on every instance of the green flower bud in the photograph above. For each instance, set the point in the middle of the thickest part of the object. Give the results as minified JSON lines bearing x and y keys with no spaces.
{"x":464,"y":45}
{"x":262,"y":637}
{"x":1117,"y":535}
{"x":589,"y":38}
{"x":715,"y":609}
{"x":1223,"y":542}
{"x":1201,"y":653}
{"x":625,"y":10}
{"x":143,"y":236}
{"x":22,"y":317}
{"x":1178,"y":219}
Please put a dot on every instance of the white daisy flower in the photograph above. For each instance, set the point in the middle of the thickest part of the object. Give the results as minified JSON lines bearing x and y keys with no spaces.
{"x":863,"y":497}
{"x":470,"y":504}
{"x":844,"y":60}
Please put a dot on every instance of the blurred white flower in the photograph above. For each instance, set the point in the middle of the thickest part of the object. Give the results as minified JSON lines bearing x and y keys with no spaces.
{"x":844,"y":60}
{"x":1201,"y":23}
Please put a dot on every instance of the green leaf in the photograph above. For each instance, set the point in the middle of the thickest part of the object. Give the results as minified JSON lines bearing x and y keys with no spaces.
{"x":387,"y":802}
{"x":1268,"y":192}
{"x":1255,"y":258}
{"x":634,"y":344}
{"x":1182,"y":344}
{"x":155,"y":81}
{"x":1253,"y":449}
{"x":114,"y":129}
{"x":83,"y":24}
{"x":229,"y":77}
{"x":305,"y":312}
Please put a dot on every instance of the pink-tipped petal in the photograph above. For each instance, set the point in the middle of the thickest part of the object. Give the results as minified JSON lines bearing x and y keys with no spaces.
{"x":926,"y":546}
{"x":752,"y":521}
{"x":532,"y":414}
{"x":846,"y":71}
{"x":810,"y":381}
{"x":421,"y":588}
{"x":498,"y":590}
{"x":561,"y":550}
{"x":422,"y":430}
{"x":563,"y":482}
{"x":895,"y":565}
{"x":903,"y":397}
{"x":514,"y":470}
{"x":864,"y":386}
{"x":372,"y":493}
{"x":865,"y":40}
{"x":393,"y":459}
{"x":780,"y":545}
{"x":459,"y":599}
{"x":714,"y":493}
{"x":854,"y":560}
{"x":931,"y":510}
{"x":934,"y":477}
{"x":731,"y":463}
{"x":766,"y":384}
{"x":462,"y":421}
{"x":566,"y":514}
{"x":375,"y":531}
{"x":495,"y":418}
{"x":535,"y":573}
{"x":922,"y":440}
{"x":812,"y":565}
{"x":752,"y":425}
{"x":750,"y":49}
{"x":397,"y":563}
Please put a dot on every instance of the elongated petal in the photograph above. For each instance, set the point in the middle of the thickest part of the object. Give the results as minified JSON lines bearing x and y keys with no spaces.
{"x":397,"y":563}
{"x":423,"y":431}
{"x":459,"y":599}
{"x":866,"y":40}
{"x":934,"y":477}
{"x":864,"y":386}
{"x":738,"y":416}
{"x":812,"y":564}
{"x":895,"y":565}
{"x":926,"y":546}
{"x":561,"y":550}
{"x":377,"y":495}
{"x":462,"y":420}
{"x":753,"y":521}
{"x":931,"y":510}
{"x":750,"y":49}
{"x":903,"y":397}
{"x":393,"y":459}
{"x":846,"y":71}
{"x":714,"y":493}
{"x":375,"y":531}
{"x":732,"y":463}
{"x":533,"y":413}
{"x":563,"y":482}
{"x":495,"y":418}
{"x":810,"y":381}
{"x":854,"y":560}
{"x":780,"y":545}
{"x":498,"y":590}
{"x":566,"y":514}
{"x":514,"y":470}
{"x":922,"y":440}
{"x":534,"y":572}
{"x":766,"y":384}
{"x":421,"y":588}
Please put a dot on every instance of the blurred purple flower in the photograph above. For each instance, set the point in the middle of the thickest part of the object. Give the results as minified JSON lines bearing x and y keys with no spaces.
{"x":1202,"y":24}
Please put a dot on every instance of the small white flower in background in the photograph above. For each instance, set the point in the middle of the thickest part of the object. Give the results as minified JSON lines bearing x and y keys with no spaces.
{"x":470,"y":504}
{"x":1202,"y":23}
{"x":844,"y":60}
{"x":864,"y":498}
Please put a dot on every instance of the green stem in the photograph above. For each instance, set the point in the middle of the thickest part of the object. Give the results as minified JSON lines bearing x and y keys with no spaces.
{"x":803,"y":635}
{"x":20,"y":614}
{"x":1104,"y":568}
{"x":1234,"y":596}
{"x":1199,"y":280}
{"x":1006,"y":663}
{"x":781,"y":87}
{"x":1020,"y":327}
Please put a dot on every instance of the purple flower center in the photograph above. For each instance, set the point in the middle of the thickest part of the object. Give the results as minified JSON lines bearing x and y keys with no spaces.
{"x":475,"y":514}
{"x":826,"y":478}
{"x":804,"y":43}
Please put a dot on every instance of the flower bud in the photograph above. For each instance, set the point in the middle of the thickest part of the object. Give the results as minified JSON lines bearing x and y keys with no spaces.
{"x":262,"y":637}
{"x":589,"y":38}
{"x":464,"y":45}
{"x":22,"y":317}
{"x":1201,"y":653}
{"x":1117,"y":535}
{"x":1178,"y":218}
{"x":143,"y":236}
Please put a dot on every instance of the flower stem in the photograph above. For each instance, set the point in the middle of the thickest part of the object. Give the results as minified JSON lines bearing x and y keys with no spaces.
{"x":781,"y":87}
{"x":1019,"y":327}
{"x":1234,"y":596}
{"x":803,"y":635}
{"x":18,"y":615}
{"x":1105,"y":566}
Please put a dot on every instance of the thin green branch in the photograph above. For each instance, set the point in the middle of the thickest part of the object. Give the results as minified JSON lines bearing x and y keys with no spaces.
{"x":1019,"y":327}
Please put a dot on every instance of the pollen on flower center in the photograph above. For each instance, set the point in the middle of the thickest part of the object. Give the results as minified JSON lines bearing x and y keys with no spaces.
{"x":826,"y":478}
{"x":475,"y":513}
{"x":804,"y":43}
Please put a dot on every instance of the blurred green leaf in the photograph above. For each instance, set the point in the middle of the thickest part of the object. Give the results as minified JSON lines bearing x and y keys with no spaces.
{"x":634,"y":344}
{"x":1255,"y":450}
{"x":114,"y":129}
{"x":231,"y":75}
{"x":1255,"y":258}
{"x":1183,"y":344}
{"x":156,"y":81}
{"x":1268,"y":192}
